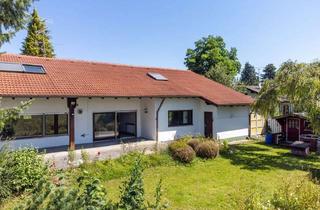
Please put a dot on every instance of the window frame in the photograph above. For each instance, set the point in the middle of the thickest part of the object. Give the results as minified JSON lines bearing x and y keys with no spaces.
{"x":181,"y":120}
{"x":43,"y":125}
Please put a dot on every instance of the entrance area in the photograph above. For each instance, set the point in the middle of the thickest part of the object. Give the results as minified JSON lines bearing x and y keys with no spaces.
{"x":114,"y":125}
{"x":208,"y":124}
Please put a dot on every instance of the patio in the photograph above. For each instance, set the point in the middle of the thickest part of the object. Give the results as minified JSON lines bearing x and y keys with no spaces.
{"x":58,"y":156}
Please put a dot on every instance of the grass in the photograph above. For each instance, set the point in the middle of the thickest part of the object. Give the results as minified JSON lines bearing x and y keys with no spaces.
{"x":210,"y":184}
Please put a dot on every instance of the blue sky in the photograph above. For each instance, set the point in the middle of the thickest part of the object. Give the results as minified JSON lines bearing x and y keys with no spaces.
{"x":157,"y":33}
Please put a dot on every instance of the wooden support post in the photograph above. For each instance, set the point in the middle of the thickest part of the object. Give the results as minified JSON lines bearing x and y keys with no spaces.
{"x":72,"y":103}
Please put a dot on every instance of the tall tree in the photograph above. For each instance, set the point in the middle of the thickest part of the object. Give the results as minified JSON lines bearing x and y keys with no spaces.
{"x":13,"y":14}
{"x":269,"y":72}
{"x":211,"y":58}
{"x":249,"y":75}
{"x":37,"y":42}
{"x":300,"y":84}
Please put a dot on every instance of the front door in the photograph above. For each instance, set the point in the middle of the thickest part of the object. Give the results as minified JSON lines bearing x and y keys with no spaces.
{"x":293,"y":129}
{"x":208,"y":124}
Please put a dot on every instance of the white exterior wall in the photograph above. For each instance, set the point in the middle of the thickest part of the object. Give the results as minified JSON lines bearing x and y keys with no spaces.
{"x":232,"y":122}
{"x":148,"y":118}
{"x":228,"y":122}
{"x":167,"y":133}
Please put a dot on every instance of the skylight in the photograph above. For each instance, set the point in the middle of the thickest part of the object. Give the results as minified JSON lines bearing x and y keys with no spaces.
{"x":26,"y":68}
{"x":15,"y":67}
{"x":33,"y":68}
{"x":157,"y":76}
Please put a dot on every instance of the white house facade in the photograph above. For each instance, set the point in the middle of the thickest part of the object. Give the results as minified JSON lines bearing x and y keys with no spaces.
{"x":150,"y":111}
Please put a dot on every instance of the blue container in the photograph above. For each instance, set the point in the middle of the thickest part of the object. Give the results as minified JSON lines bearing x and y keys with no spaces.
{"x":269,"y":138}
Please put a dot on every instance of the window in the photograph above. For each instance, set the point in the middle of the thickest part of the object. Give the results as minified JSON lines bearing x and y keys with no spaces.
{"x":179,"y":118}
{"x":22,"y":68}
{"x":286,"y":109}
{"x":28,"y":126}
{"x":56,"y":124}
{"x":157,"y":76}
{"x":33,"y":68}
{"x":293,"y":123}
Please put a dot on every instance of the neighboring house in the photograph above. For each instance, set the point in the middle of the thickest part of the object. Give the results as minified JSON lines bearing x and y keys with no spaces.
{"x":78,"y":102}
{"x":257,"y":123}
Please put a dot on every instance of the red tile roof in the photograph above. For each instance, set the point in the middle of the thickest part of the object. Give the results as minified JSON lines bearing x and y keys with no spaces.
{"x":75,"y":78}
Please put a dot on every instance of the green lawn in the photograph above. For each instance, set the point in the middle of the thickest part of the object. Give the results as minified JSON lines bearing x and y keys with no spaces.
{"x":215,"y":184}
{"x":210,"y":184}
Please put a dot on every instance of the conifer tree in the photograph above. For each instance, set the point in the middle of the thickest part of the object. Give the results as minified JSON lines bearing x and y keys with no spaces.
{"x":249,"y":75}
{"x":269,"y":72}
{"x":37,"y":42}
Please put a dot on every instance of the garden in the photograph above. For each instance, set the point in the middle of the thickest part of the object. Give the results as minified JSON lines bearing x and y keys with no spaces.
{"x":191,"y":174}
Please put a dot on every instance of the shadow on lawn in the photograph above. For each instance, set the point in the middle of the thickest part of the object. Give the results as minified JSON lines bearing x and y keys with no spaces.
{"x":259,"y":156}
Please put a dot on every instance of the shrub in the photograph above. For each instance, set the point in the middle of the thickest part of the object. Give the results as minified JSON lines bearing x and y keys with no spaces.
{"x":207,"y":149}
{"x":87,"y":194}
{"x":132,"y":191}
{"x":85,"y":156}
{"x":194,"y":143}
{"x":181,"y":151}
{"x":184,"y":154}
{"x":225,"y":145}
{"x":20,"y":170}
{"x":297,"y":194}
{"x":71,"y":156}
{"x":173,"y":146}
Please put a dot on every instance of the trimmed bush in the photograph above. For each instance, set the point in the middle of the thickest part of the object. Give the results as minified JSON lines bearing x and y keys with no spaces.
{"x":194,"y":143}
{"x":181,"y":151}
{"x":207,"y":149}
{"x":185,"y":154}
{"x":176,"y":145}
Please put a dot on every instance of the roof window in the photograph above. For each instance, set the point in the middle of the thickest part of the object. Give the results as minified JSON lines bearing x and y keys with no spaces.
{"x":23,"y":68}
{"x":157,"y":76}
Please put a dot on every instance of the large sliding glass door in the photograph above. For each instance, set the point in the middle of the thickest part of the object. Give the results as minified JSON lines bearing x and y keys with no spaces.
{"x":126,"y":124}
{"x":104,"y":126}
{"x":113,"y":125}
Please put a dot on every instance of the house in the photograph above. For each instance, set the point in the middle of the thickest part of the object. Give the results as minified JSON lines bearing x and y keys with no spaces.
{"x":257,"y":125}
{"x":79,"y":102}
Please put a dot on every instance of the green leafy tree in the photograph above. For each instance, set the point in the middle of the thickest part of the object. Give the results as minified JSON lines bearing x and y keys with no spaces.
{"x":249,"y":75}
{"x":6,"y":115}
{"x":269,"y":72}
{"x":220,"y":74}
{"x":37,"y":42}
{"x":300,"y":84}
{"x":13,"y":15}
{"x":211,"y":58}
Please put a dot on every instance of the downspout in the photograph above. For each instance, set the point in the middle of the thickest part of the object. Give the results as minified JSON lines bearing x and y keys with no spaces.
{"x":157,"y":119}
